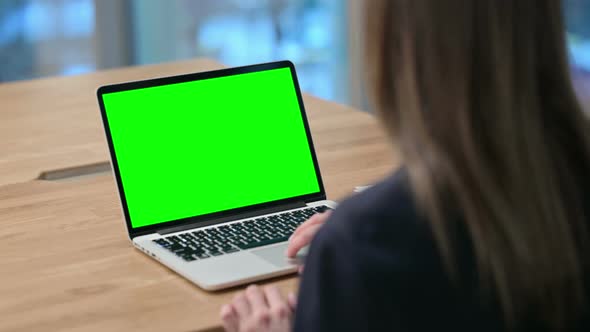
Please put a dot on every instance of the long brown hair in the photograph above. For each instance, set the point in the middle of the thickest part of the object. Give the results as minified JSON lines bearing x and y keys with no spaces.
{"x":477,"y":96}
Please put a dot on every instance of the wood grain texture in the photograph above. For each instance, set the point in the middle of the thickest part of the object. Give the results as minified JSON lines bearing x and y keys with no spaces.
{"x":65,"y":261}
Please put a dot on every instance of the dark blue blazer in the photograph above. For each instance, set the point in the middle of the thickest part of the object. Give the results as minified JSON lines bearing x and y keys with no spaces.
{"x":374,"y":266}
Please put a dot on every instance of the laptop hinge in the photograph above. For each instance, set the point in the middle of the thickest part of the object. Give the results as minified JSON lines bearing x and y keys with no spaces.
{"x":199,"y":224}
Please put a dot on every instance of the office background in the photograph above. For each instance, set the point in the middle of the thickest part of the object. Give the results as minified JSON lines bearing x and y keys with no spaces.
{"x":41,"y":38}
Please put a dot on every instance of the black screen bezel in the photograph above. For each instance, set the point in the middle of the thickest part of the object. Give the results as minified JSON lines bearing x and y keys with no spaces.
{"x":133,"y":232}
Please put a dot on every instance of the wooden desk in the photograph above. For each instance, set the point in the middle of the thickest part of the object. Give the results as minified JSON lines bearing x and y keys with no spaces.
{"x":54,"y":123}
{"x":65,"y":260}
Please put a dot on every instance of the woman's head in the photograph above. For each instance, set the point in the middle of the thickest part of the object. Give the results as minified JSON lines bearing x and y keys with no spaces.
{"x":477,"y":97}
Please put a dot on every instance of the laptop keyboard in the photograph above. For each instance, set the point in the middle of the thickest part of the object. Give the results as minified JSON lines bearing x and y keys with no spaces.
{"x":225,"y":239}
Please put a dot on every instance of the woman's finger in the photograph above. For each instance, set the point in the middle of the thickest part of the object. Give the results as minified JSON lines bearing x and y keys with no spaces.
{"x":279,"y":308}
{"x":229,"y":318}
{"x":292,"y":300}
{"x":241,"y":306}
{"x":258,"y":306}
{"x":256,"y":297}
{"x":301,"y":240}
{"x":314,"y":219}
{"x":318,"y":218}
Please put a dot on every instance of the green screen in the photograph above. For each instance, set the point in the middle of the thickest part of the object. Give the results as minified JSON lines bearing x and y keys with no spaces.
{"x":199,"y":147}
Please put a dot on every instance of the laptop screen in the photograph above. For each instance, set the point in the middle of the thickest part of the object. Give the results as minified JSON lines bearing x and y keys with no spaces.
{"x":210,"y":145}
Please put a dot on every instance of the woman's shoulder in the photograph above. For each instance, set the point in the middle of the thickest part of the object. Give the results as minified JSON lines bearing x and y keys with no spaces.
{"x":380,"y":224}
{"x":391,"y":195}
{"x":386,"y":209}
{"x":377,"y":249}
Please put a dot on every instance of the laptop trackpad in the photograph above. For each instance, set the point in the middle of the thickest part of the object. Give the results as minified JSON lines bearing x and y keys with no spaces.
{"x":274,"y":255}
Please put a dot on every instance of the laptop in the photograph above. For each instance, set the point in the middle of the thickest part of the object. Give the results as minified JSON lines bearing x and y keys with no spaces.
{"x":215,"y":170}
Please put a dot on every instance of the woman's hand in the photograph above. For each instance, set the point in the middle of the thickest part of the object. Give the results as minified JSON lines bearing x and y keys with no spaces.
{"x":305,"y":232}
{"x":265,"y":309}
{"x":259,"y":309}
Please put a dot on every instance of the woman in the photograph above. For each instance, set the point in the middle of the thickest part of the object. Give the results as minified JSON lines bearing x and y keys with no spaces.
{"x":485,"y":228}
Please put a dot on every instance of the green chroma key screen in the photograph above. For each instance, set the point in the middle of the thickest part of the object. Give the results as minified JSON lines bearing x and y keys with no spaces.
{"x":199,"y":147}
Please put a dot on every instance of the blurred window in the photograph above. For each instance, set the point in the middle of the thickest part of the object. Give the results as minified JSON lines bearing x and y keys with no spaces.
{"x":578,"y":27}
{"x":64,"y":37}
{"x":46,"y":37}
{"x":311,"y":33}
{"x":578,"y":35}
